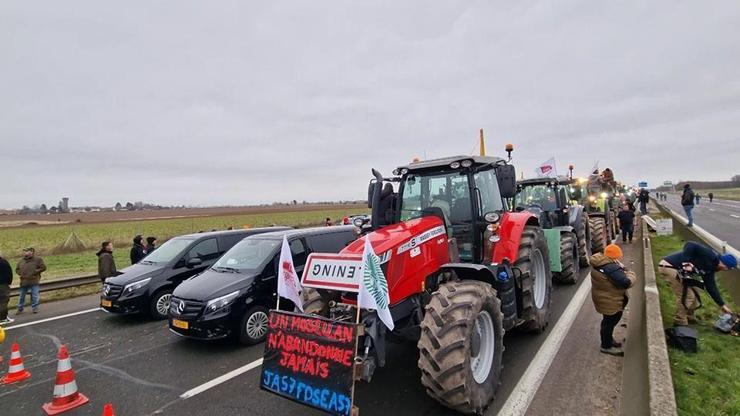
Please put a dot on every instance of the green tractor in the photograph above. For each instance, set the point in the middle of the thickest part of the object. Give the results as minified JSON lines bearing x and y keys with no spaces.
{"x":565,"y":223}
{"x":599,"y":198}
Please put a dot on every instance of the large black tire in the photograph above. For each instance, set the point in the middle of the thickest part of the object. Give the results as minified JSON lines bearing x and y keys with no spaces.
{"x":568,"y":259}
{"x":453,"y":357}
{"x":598,"y":234}
{"x":536,"y":279}
{"x":159,"y":304}
{"x":584,"y":240}
{"x":312,"y":301}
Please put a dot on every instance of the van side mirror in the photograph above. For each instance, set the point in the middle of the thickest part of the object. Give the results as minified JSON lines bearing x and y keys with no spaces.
{"x":194,"y":262}
{"x":506,"y":175}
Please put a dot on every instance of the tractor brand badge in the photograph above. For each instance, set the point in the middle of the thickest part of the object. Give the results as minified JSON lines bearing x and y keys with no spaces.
{"x":421,"y":238}
{"x":374,"y":281}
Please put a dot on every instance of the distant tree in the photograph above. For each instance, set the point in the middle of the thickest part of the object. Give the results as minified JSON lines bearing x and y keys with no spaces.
{"x":53,"y":210}
{"x":118,"y":206}
{"x":43,"y":209}
{"x":295,"y":202}
{"x":25,"y":210}
{"x":129,"y":206}
{"x":736,"y":178}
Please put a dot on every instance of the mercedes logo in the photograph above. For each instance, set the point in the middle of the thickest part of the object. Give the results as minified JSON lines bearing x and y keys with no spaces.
{"x":106,"y":289}
{"x":181,"y":307}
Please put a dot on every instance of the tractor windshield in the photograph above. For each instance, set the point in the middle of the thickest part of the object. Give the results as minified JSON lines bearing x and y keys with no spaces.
{"x":539,"y":195}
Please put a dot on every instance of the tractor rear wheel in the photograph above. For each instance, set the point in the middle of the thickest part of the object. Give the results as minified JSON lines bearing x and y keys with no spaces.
{"x":312,"y":300}
{"x":461,"y":345}
{"x":568,"y":259}
{"x":598,"y":234}
{"x":584,"y":241}
{"x":536,"y":280}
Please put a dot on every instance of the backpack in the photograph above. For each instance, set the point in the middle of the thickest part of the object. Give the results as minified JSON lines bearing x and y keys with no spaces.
{"x":683,"y":338}
{"x":687,"y":198}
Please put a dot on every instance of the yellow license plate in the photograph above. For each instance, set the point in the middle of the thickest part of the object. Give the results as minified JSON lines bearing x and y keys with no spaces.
{"x":179,"y":324}
{"x":105,"y":303}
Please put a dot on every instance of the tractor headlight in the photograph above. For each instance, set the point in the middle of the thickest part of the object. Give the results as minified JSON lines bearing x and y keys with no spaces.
{"x":492,"y":217}
{"x":404,"y":171}
{"x":455,"y":165}
{"x":221,"y":302}
{"x":396,"y":172}
{"x":466,"y":163}
{"x":591,"y":198}
{"x":132,"y":287}
{"x":358,"y":222}
{"x":604,"y":195}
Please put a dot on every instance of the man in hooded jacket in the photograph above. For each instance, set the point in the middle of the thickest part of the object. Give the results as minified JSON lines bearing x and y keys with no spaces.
{"x":106,"y":263}
{"x":609,"y":283}
{"x":138,"y":251}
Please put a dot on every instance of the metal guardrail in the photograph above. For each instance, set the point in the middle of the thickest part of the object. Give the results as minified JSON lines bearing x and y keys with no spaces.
{"x":61,"y":284}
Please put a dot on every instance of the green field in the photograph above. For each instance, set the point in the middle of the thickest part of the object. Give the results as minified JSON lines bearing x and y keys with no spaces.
{"x":45,"y":238}
{"x":727,"y":193}
{"x":708,"y":382}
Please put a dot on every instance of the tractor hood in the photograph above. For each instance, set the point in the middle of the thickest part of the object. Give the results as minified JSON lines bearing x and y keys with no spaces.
{"x":397,"y":235}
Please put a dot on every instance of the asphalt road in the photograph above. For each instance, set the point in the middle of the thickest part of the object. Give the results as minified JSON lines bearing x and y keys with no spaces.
{"x":721,"y":217}
{"x":143,"y":369}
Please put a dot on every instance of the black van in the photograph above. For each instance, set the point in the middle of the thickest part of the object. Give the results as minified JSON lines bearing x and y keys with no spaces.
{"x":233,"y":296}
{"x":146,"y":287}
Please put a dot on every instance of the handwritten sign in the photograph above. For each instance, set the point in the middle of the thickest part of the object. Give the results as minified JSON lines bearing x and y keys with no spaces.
{"x":309,"y":359}
{"x":333,"y":271}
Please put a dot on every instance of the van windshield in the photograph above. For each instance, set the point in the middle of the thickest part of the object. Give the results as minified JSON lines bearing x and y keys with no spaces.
{"x":167,"y":251}
{"x":249,"y":255}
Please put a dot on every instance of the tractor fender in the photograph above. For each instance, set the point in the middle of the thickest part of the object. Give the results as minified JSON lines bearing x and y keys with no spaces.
{"x":565,"y":229}
{"x":575,"y":215}
{"x":510,"y":230}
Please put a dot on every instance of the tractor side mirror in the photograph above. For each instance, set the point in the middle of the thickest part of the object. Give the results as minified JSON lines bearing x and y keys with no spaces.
{"x":370,"y":190}
{"x":506,"y":175}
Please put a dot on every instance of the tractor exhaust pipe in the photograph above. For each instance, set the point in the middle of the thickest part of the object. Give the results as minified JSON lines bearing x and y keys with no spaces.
{"x":377,"y":189}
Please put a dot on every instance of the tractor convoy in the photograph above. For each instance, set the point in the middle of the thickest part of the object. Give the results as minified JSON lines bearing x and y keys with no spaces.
{"x":468,"y":254}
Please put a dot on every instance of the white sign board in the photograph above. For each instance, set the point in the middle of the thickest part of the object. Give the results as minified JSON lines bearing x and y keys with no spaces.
{"x":664,"y":226}
{"x":333,"y":271}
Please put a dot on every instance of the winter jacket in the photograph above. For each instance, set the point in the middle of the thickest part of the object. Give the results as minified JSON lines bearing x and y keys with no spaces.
{"x":609,"y":284}
{"x":705,"y":261}
{"x":687,"y":198}
{"x":644,"y":196}
{"x":150,"y":248}
{"x":30,"y":269}
{"x":106,"y":265}
{"x":6,"y":272}
{"x":138,"y":252}
{"x":626,"y":219}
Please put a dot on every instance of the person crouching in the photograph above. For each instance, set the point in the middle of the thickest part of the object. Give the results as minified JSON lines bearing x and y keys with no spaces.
{"x":609,"y":283}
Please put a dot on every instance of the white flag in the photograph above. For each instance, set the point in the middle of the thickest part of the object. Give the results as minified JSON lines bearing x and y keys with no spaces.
{"x":289,"y":286}
{"x":547,"y":169}
{"x":374,"y":288}
{"x":595,"y":169}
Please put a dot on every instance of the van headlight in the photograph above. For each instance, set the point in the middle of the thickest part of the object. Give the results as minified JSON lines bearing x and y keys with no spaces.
{"x":133,"y":287}
{"x":214,"y":305}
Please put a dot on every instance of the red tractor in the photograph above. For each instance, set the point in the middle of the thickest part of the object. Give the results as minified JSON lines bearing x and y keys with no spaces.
{"x":461,"y":270}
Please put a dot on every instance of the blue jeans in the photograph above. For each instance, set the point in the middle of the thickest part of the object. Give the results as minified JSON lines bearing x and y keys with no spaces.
{"x":643,"y":208}
{"x":687,"y":209}
{"x":34,"y":297}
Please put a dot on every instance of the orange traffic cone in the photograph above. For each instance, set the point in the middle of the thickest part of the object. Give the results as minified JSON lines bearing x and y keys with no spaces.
{"x":66,"y":396}
{"x":16,"y":371}
{"x":108,"y":410}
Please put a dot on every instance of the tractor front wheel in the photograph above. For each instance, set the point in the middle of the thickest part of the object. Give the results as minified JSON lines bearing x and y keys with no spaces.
{"x":598,"y":234}
{"x":461,"y":346}
{"x":568,"y":259}
{"x":536,"y":280}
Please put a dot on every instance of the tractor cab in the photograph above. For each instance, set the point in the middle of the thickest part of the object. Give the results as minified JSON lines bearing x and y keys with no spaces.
{"x":548,"y":198}
{"x":465,"y":192}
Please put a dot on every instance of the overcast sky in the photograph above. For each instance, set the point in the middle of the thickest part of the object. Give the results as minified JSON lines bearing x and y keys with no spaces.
{"x":204,"y":103}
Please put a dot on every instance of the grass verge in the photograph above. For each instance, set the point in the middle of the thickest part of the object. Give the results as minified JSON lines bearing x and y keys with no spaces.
{"x":726,"y":193}
{"x":708,"y":382}
{"x":60,"y":294}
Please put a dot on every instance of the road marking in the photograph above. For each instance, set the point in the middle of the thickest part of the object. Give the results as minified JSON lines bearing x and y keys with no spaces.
{"x":734,"y":216}
{"x":222,"y":379}
{"x":525,"y":390}
{"x":41,"y":321}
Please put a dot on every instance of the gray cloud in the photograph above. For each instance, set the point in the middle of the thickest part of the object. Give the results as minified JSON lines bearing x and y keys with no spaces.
{"x":238,"y":102}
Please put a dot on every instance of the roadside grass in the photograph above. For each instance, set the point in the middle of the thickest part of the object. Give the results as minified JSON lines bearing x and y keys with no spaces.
{"x":708,"y":382}
{"x":727,"y":193}
{"x":45,"y":238}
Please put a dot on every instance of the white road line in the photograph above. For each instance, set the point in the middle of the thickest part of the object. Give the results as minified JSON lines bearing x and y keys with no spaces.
{"x":222,"y":379}
{"x":734,"y":216}
{"x":525,"y":390}
{"x":41,"y":321}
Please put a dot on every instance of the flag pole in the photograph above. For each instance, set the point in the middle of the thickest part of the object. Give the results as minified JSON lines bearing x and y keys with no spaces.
{"x":278,"y":303}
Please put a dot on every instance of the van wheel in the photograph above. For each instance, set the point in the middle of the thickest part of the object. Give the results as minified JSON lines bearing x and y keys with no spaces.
{"x":253,"y":326}
{"x":160,"y":304}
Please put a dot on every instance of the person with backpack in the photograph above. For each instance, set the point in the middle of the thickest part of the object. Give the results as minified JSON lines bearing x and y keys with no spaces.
{"x":687,"y":202}
{"x":609,"y":283}
{"x":697,"y":260}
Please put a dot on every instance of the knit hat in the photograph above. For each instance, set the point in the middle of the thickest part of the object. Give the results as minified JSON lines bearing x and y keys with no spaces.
{"x":613,"y":252}
{"x":728,"y":260}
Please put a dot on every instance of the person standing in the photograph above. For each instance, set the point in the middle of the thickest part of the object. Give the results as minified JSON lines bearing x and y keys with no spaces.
{"x":327,"y":222}
{"x":151,"y":244}
{"x":106,"y":263}
{"x":698,"y":260}
{"x":643,"y":198}
{"x":711,"y":197}
{"x":626,"y":223}
{"x":609,"y":283}
{"x":29,"y":269}
{"x":687,"y":202}
{"x":698,"y":198}
{"x":138,"y":251}
{"x":6,"y":279}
